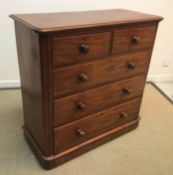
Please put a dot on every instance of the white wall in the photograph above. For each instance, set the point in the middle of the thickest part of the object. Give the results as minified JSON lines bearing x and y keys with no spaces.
{"x":9,"y":74}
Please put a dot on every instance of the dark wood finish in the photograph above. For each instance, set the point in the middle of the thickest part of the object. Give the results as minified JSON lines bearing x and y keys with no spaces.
{"x":50,"y":162}
{"x":67,"y":109}
{"x":29,"y":59}
{"x":132,"y":39}
{"x":53,"y":22}
{"x":161,"y":91}
{"x":82,"y":78}
{"x":69,"y":50}
{"x":79,"y":131}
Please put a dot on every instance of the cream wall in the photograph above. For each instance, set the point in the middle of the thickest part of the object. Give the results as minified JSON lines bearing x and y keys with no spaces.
{"x":163,"y":51}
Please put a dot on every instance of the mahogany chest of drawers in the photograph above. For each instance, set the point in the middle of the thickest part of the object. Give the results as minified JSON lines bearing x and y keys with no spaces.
{"x":82,"y":78}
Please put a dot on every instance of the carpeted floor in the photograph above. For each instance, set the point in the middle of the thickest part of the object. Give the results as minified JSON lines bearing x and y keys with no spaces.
{"x":148,"y":150}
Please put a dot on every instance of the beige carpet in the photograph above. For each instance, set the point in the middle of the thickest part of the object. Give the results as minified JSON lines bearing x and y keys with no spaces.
{"x":148,"y":150}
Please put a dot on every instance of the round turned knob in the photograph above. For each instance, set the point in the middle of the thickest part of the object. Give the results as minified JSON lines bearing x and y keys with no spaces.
{"x":135,"y":39}
{"x":131,"y":66}
{"x":81,"y":105}
{"x":80,"y":132}
{"x":123,"y":115}
{"x":84,"y":48}
{"x":126,"y":91}
{"x":83,"y":77}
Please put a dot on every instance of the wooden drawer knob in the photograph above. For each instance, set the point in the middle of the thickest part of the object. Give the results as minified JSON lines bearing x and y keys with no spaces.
{"x":123,"y":115}
{"x":126,"y":91}
{"x":83,"y":77}
{"x":135,"y":39}
{"x":84,"y":48}
{"x":131,"y":65}
{"x":81,"y":106}
{"x":80,"y":132}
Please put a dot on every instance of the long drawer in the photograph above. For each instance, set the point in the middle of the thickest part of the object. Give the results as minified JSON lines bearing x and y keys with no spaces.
{"x":132,"y":39}
{"x":76,"y":132}
{"x":70,"y":50}
{"x":77,"y":78}
{"x":76,"y":106}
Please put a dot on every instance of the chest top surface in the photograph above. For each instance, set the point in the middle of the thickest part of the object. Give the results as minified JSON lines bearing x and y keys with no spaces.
{"x":50,"y":22}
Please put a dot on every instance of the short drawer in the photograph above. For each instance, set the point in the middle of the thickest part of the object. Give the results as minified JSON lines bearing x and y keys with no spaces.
{"x":76,"y":106}
{"x":76,"y":78}
{"x":74,"y":133}
{"x":71,"y":50}
{"x":132,"y":39}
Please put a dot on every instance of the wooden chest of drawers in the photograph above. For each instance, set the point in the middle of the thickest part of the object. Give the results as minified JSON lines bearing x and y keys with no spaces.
{"x":82,"y":78}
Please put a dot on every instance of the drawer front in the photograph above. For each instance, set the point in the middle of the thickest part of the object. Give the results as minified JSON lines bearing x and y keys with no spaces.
{"x":80,"y":48}
{"x":82,"y":104}
{"x":132,"y":39}
{"x":74,"y":133}
{"x":77,"y":78}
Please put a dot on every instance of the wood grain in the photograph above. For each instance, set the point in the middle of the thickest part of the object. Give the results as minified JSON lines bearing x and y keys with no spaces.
{"x":123,"y":39}
{"x":66,"y":109}
{"x":50,"y":22}
{"x":82,"y":78}
{"x":29,"y":59}
{"x":99,"y":72}
{"x":67,"y":50}
{"x":67,"y":136}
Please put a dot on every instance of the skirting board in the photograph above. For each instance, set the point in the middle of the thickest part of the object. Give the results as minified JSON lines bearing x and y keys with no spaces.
{"x":5,"y":84}
{"x":161,"y":77}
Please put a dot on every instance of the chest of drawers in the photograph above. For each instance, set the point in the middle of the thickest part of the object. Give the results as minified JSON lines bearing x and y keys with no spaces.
{"x":82,"y":78}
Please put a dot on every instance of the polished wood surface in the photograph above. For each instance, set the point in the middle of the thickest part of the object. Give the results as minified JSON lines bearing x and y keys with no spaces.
{"x":31,"y":95}
{"x":81,"y":130}
{"x":82,"y":78}
{"x":80,"y":48}
{"x":35,"y":105}
{"x":66,"y":109}
{"x":132,"y":39}
{"x":52,"y":22}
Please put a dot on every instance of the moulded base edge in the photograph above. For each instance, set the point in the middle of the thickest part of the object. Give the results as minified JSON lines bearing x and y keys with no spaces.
{"x":49,"y":162}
